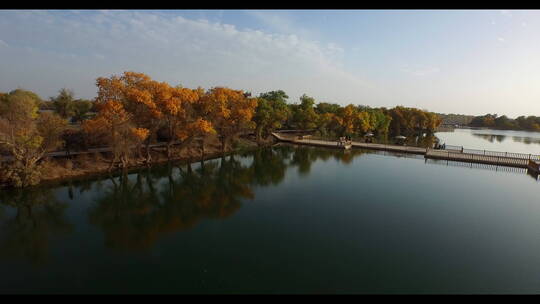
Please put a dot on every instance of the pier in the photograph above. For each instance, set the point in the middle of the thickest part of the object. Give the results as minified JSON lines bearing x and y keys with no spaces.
{"x":451,"y":153}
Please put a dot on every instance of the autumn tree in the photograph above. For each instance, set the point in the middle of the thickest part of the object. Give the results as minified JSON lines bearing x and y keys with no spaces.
{"x":410,"y":120}
{"x":27,"y":135}
{"x":230,"y":112}
{"x":182,"y":116}
{"x":139,"y":97}
{"x":348,"y":120}
{"x":114,"y":124}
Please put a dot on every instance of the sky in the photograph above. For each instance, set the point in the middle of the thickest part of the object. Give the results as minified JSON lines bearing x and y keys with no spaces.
{"x":458,"y":61}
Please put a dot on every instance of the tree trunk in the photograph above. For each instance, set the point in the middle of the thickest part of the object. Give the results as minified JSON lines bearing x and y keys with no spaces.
{"x":148,"y":156}
{"x":202,"y":149}
{"x":258,"y":132}
{"x":223,"y":144}
{"x":113,"y":160}
{"x":168,"y":149}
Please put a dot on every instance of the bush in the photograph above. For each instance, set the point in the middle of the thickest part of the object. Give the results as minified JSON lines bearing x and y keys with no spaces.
{"x":17,"y":175}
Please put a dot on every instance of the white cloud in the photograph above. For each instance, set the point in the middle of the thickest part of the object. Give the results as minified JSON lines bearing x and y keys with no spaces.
{"x":3,"y":43}
{"x":173,"y":49}
{"x":500,"y":39}
{"x":281,"y":22}
{"x":420,"y":70}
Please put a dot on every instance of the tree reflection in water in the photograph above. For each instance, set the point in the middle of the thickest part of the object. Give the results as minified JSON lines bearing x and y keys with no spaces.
{"x":491,"y":137}
{"x":136,"y":210}
{"x":526,"y":140}
{"x":134,"y":214}
{"x":500,"y":138}
{"x":39,"y":217}
{"x":304,"y":156}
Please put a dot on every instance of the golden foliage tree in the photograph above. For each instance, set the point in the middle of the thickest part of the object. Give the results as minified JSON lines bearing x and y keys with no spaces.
{"x":230,"y":111}
{"x":139,"y":96}
{"x":183,"y":121}
{"x":114,"y":125}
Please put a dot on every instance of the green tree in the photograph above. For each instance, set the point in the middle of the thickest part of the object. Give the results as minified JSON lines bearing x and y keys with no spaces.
{"x":303,"y":115}
{"x":27,"y":135}
{"x":81,"y":109}
{"x":325,"y":107}
{"x":64,"y":103}
{"x":271,"y":112}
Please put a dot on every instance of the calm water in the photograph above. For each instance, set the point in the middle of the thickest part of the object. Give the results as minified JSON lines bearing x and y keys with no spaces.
{"x":279,"y":220}
{"x":494,"y":140}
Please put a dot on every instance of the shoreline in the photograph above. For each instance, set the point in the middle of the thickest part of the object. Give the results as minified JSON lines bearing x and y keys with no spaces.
{"x":102,"y":171}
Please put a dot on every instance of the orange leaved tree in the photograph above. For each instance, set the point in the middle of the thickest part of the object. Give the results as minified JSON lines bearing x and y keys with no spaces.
{"x":181,"y":113}
{"x":140,"y":96}
{"x":230,"y":112}
{"x":114,"y":125}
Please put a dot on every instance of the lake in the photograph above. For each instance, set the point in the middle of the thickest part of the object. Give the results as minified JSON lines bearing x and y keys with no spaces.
{"x":493,"y":140}
{"x":284,"y":219}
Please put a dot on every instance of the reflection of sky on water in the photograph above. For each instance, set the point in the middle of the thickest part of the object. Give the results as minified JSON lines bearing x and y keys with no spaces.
{"x":494,"y":140}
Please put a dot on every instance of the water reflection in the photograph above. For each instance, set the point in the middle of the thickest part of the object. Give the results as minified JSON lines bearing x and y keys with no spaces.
{"x":304,"y":156}
{"x":133,"y":214}
{"x":526,"y":140}
{"x":491,"y":137}
{"x":38,"y":217}
{"x":96,"y":236}
{"x":423,"y":140}
{"x":497,"y":138}
{"x":135,"y":211}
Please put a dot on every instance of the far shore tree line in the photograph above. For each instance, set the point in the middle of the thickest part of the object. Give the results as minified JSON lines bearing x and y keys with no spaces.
{"x":493,"y":121}
{"x":131,"y":112}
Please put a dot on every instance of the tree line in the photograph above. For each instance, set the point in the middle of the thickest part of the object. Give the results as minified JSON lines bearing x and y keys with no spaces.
{"x":133,"y":111}
{"x":528,"y":123}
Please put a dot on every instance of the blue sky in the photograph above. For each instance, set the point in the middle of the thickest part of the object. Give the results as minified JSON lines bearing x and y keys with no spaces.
{"x":470,"y":62}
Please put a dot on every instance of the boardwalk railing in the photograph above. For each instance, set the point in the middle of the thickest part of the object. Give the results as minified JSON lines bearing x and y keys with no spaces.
{"x":478,"y":158}
{"x":534,"y":157}
{"x":476,"y":165}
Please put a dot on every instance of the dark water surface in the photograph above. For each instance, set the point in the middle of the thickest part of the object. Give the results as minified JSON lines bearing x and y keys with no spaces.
{"x":279,"y":220}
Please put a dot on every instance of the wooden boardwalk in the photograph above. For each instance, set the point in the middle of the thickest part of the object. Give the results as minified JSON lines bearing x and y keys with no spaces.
{"x":477,"y":158}
{"x":516,"y":160}
{"x":336,"y":144}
